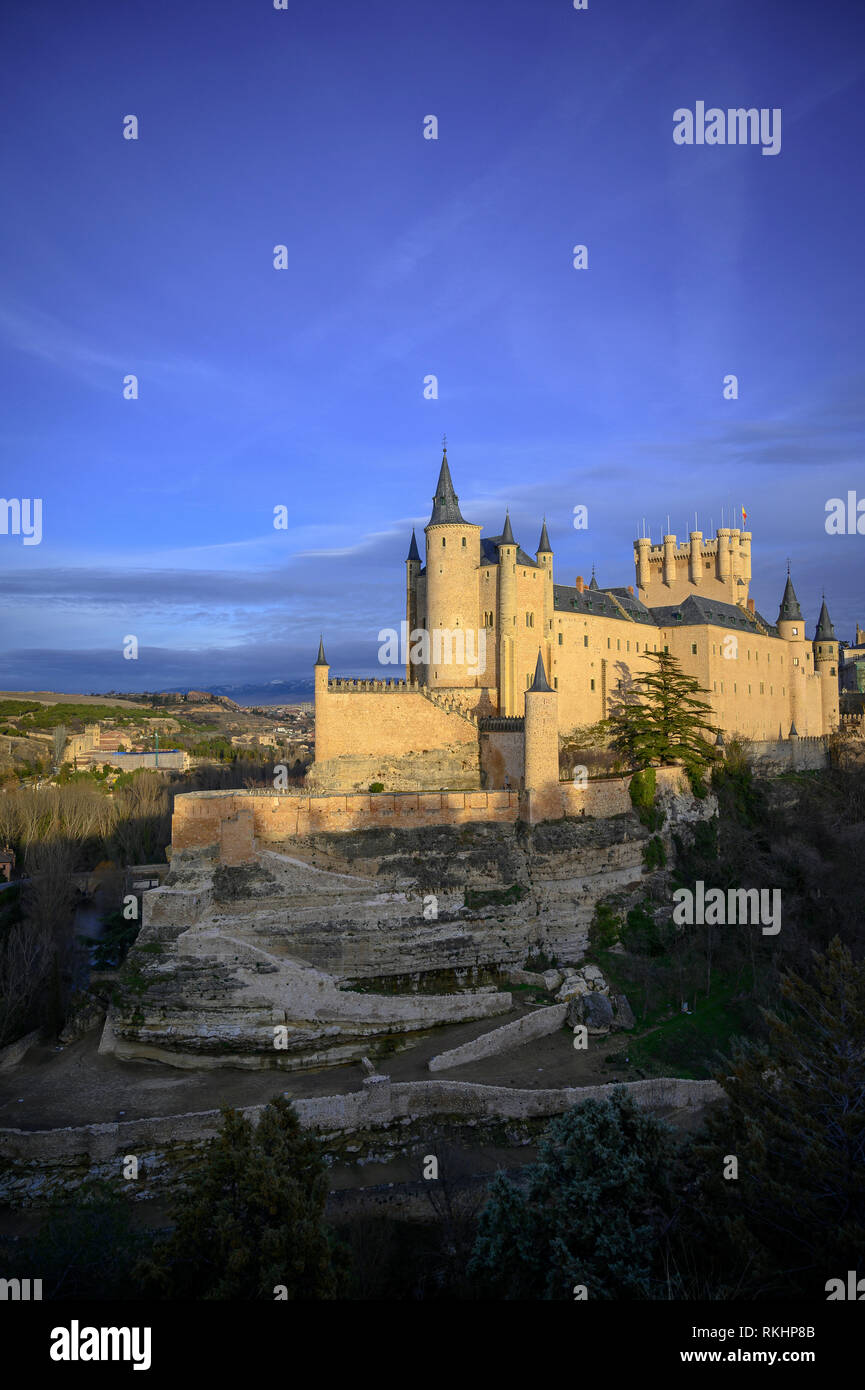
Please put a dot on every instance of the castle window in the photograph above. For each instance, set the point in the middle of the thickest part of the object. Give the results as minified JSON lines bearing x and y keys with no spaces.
{"x":795,"y":661}
{"x":618,"y":644}
{"x":628,"y":645}
{"x":608,"y":644}
{"x":592,"y":684}
{"x":556,"y":682}
{"x":464,"y":542}
{"x":560,"y":639}
{"x":530,"y":620}
{"x":722,"y":687}
{"x":715,"y":685}
{"x":667,"y":649}
{"x":694,"y":648}
{"x":762,"y":691}
{"x":444,"y":542}
{"x":831,"y":670}
{"x":585,"y":640}
{"x":734,"y":687}
{"x":795,"y":632}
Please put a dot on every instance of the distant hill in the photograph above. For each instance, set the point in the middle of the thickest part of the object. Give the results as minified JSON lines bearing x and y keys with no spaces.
{"x":276,"y":692}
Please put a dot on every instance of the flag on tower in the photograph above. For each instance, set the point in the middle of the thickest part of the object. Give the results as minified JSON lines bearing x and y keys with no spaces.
{"x":744,"y":516}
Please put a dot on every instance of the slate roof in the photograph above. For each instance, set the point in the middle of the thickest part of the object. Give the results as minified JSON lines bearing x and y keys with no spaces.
{"x":602,"y":603}
{"x":446,"y":504}
{"x":694,"y":612}
{"x":490,"y":552}
{"x":825,"y":631}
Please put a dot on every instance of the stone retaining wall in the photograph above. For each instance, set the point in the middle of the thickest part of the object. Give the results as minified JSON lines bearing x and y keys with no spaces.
{"x":510,"y":1035}
{"x":379,"y":1103}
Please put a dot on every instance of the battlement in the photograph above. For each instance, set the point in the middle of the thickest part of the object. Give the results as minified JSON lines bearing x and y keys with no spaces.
{"x":348,"y":685}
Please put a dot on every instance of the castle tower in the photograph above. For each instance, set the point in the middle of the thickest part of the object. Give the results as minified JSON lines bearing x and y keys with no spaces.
{"x":642,"y":548}
{"x":826,"y":666}
{"x":322,"y":672}
{"x":670,"y":560}
{"x":544,"y":557}
{"x":723,"y":555}
{"x":453,"y":552}
{"x":792,"y":628}
{"x":541,"y":781}
{"x":507,"y":599}
{"x":695,"y":561}
{"x":412,"y":573}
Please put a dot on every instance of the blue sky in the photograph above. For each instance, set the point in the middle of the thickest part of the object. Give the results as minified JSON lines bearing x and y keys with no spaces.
{"x":409,"y":257}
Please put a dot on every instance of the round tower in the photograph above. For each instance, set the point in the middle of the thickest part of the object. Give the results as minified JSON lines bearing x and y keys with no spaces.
{"x":670,"y":560}
{"x":723,"y":556}
{"x":544,"y":557}
{"x":695,"y":560}
{"x":791,"y":627}
{"x":826,"y":666}
{"x":642,"y":547}
{"x":507,"y":609}
{"x":413,"y":672}
{"x":322,"y":711}
{"x":453,"y":552}
{"x":541,"y":750}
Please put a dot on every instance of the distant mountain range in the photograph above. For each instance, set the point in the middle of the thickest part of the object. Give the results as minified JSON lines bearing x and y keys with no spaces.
{"x":277,"y":692}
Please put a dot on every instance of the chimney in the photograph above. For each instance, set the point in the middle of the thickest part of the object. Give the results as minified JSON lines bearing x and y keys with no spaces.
{"x":580,"y":586}
{"x":750,"y":605}
{"x":630,"y":588}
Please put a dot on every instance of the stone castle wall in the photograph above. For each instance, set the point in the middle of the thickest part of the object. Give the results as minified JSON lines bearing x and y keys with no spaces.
{"x":378,"y":1104}
{"x":199,"y":817}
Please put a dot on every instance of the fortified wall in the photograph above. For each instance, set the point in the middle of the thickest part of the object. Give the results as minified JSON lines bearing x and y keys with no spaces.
{"x":235,"y":820}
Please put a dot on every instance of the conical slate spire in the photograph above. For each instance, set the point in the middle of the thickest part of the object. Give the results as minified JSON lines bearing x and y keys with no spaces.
{"x":789,"y":603}
{"x":594,"y":583}
{"x":825,"y":631}
{"x":507,"y":533}
{"x":413,"y":552}
{"x":540,"y":681}
{"x":321,"y":659}
{"x":544,"y":542}
{"x":446,"y":504}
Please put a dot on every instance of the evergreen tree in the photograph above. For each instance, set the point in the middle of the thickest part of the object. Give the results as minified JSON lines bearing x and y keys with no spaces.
{"x":796,"y":1124}
{"x":661,"y":718}
{"x":251,"y":1217}
{"x":594,"y":1210}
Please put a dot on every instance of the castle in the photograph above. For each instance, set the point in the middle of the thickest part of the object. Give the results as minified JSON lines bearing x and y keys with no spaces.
{"x":501,"y":661}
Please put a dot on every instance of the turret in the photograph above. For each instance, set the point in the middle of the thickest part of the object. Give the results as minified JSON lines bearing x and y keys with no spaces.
{"x":723,"y":556}
{"x":541,"y":725}
{"x":695,"y":561}
{"x":826,"y":666}
{"x":507,"y":608}
{"x":670,"y":560}
{"x":322,"y":711}
{"x":412,"y":573}
{"x":544,"y":557}
{"x":792,"y":628}
{"x":642,"y":548}
{"x":453,"y":549}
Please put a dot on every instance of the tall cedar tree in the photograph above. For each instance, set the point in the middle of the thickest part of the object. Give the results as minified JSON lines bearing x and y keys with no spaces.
{"x":595,"y":1210}
{"x":661,"y":718}
{"x":796,"y":1123}
{"x":250,"y":1217}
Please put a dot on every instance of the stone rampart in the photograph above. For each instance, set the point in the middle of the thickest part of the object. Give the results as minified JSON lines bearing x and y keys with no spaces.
{"x":510,"y":1035}
{"x":379,"y":1103}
